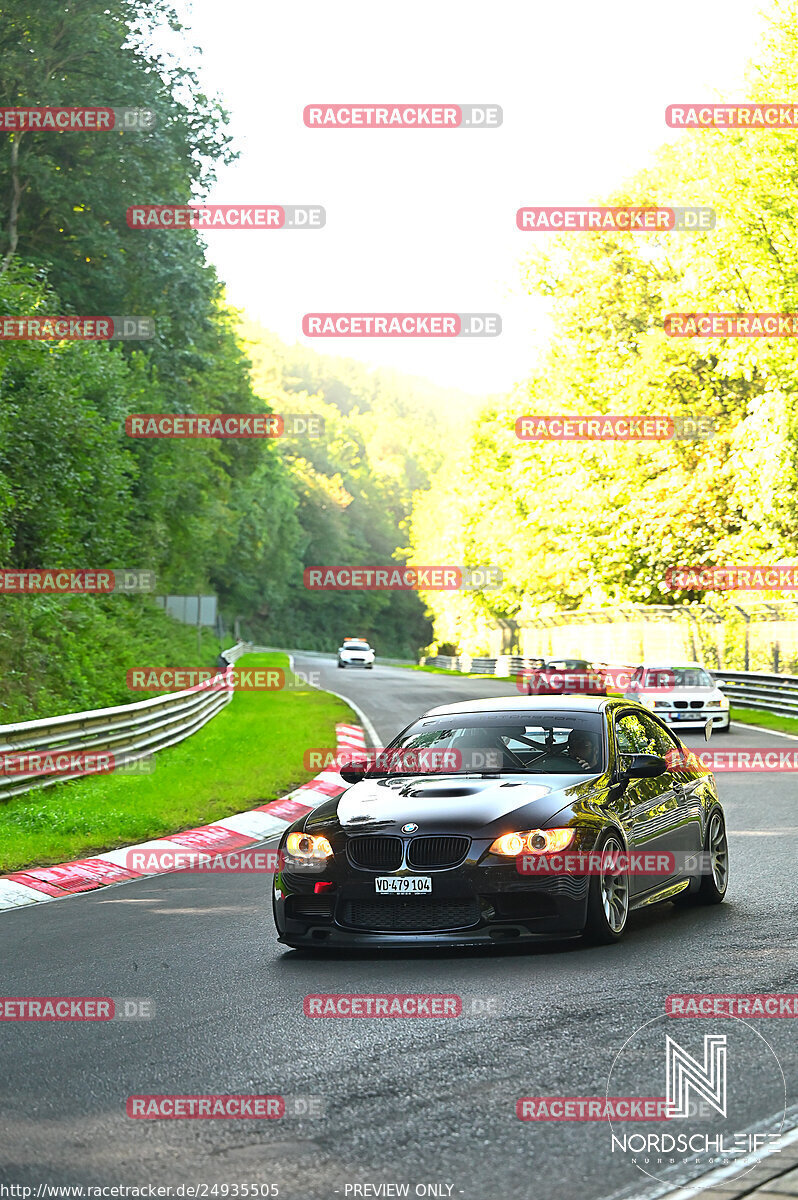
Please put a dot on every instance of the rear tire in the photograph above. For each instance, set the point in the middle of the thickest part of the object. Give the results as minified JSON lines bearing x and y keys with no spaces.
{"x":607,"y":898}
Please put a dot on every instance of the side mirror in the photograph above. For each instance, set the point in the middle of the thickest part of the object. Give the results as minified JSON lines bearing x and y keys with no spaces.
{"x":353,"y":772}
{"x":644,"y":766}
{"x":708,"y":730}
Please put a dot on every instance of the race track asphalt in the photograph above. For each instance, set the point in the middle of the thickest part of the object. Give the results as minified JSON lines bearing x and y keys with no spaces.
{"x":416,"y":1102}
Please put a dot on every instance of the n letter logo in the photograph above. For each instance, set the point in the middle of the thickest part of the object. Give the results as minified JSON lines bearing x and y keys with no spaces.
{"x":707,"y":1080}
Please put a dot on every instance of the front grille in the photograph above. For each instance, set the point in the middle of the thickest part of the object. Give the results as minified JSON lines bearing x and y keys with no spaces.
{"x":437,"y":851}
{"x":389,"y":914}
{"x":376,"y":853}
{"x":680,"y":704}
{"x":696,"y":703}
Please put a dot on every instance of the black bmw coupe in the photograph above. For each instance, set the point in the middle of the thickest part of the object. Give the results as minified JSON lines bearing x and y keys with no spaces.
{"x":505,"y":820}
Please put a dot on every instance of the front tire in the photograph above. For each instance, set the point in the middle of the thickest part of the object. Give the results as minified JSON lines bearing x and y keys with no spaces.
{"x":607,"y":898}
{"x":725,"y":728}
{"x":712,"y":889}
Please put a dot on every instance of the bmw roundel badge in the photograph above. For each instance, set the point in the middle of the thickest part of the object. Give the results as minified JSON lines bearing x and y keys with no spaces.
{"x":409,"y":827}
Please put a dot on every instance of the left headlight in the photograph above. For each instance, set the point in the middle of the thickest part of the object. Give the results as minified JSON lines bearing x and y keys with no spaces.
{"x":533,"y":841}
{"x":308,"y":846}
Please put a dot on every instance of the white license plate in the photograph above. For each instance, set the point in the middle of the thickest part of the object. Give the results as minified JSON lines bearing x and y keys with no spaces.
{"x":404,"y":885}
{"x":691,"y":716}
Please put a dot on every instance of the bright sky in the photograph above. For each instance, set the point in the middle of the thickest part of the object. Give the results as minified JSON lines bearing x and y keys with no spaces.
{"x":424,"y":221}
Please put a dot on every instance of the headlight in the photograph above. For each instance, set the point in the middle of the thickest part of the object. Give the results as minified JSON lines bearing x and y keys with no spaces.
{"x":308,"y":846}
{"x":533,"y":841}
{"x":662,"y":703}
{"x":713,"y":704}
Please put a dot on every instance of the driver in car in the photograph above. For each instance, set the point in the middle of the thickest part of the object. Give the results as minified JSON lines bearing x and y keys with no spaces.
{"x":583,"y":747}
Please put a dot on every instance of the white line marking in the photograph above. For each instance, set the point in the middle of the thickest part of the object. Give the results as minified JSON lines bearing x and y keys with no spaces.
{"x":686,"y":1191}
{"x":764,"y":729}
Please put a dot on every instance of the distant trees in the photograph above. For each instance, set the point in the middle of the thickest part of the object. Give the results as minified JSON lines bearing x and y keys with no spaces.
{"x":239,"y":517}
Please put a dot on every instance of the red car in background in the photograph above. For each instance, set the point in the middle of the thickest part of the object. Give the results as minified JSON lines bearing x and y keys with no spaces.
{"x":564,"y":677}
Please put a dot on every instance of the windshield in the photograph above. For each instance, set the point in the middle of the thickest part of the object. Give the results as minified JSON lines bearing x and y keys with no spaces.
{"x":356,"y":646}
{"x":548,"y":743}
{"x":679,"y":677}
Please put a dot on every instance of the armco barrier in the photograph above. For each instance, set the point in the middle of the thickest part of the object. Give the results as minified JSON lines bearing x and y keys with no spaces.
{"x":129,"y":730}
{"x":745,"y":689}
{"x":766,"y":693}
{"x":502,"y":667}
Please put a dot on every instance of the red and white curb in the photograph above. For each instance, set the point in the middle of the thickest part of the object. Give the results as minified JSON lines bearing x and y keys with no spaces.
{"x":228,"y":834}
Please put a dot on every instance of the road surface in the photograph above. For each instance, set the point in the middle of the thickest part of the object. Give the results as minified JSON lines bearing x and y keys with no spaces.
{"x":416,"y":1102}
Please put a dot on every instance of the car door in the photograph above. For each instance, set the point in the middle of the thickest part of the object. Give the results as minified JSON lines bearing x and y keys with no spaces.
{"x":651,"y":806}
{"x":687,"y":785}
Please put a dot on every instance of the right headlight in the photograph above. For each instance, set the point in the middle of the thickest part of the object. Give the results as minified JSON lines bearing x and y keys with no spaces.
{"x":308,"y":846}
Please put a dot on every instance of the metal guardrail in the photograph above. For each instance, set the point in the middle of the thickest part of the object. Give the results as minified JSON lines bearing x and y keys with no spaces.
{"x":127,"y":730}
{"x":745,"y":689}
{"x":502,"y":667}
{"x":765,"y":693}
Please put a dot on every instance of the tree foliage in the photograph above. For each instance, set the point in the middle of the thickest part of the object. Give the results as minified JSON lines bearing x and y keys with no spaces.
{"x":589,"y":524}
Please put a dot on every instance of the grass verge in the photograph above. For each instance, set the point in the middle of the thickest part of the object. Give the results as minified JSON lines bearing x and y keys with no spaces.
{"x":442,"y":671}
{"x":249,"y":754}
{"x":751,"y":716}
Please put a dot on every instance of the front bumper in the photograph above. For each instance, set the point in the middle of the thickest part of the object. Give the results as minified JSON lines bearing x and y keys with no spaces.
{"x":679,"y":718}
{"x":489,"y":905}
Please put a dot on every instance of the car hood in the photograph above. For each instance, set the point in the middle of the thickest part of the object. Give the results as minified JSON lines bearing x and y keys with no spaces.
{"x":443,"y":803}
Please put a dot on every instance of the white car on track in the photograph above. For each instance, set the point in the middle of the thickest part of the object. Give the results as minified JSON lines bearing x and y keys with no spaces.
{"x":355,"y":652}
{"x":683,"y":695}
